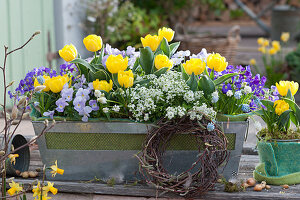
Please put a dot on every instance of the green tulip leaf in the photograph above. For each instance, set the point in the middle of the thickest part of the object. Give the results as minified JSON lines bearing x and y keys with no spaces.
{"x":135,"y":66}
{"x":115,"y":80}
{"x":206,"y":85}
{"x":185,"y":76}
{"x":192,"y":82}
{"x":98,"y":67}
{"x":284,"y":119}
{"x":100,"y":74}
{"x":173,"y":48}
{"x":161,"y":71}
{"x":164,"y":46}
{"x":268,"y":104}
{"x":84,"y":63}
{"x":141,"y":82}
{"x":224,"y":78}
{"x":146,"y":60}
{"x":294,"y":107}
{"x":100,"y":57}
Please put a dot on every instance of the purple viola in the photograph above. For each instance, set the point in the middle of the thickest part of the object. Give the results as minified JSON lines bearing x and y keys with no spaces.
{"x":94,"y":105}
{"x":61,"y":104}
{"x":67,"y":94}
{"x":49,"y":113}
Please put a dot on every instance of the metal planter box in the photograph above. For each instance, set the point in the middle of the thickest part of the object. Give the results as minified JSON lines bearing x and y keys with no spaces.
{"x":106,"y":149}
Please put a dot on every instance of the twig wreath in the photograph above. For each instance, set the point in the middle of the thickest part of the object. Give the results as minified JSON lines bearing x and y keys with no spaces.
{"x":203,"y":173}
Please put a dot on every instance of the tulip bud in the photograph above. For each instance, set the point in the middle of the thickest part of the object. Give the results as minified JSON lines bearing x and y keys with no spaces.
{"x":39,"y":88}
{"x":14,"y":112}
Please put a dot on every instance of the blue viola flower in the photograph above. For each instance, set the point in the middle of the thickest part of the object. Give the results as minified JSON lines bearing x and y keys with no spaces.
{"x":210,"y":126}
{"x":245,"y":108}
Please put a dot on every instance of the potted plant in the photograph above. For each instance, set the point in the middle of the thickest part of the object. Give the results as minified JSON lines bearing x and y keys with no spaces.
{"x":108,"y":103}
{"x":278,"y":143}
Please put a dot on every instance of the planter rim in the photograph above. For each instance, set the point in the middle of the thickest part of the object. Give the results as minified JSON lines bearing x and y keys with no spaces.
{"x":277,"y":140}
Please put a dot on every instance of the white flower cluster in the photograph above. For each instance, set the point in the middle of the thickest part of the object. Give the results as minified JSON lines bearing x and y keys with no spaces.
{"x":197,"y":112}
{"x":167,"y":96}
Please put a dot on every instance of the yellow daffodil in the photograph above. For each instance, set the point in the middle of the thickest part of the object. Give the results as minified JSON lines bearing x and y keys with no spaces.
{"x":57,"y":83}
{"x":37,"y":192}
{"x":276,"y":45}
{"x":194,"y":65}
{"x":252,"y":61}
{"x":15,"y":188}
{"x":114,"y":64}
{"x":262,"y":49}
{"x":50,"y":188}
{"x":272,"y":51}
{"x":167,"y":33}
{"x":266,"y":43}
{"x":47,"y":78}
{"x":280,"y":106}
{"x":68,"y":53}
{"x":151,"y":41}
{"x":55,"y":170}
{"x":93,"y":43}
{"x":125,"y":78}
{"x":102,"y":85}
{"x":12,"y":158}
{"x":284,"y":86}
{"x":260,"y":41}
{"x":216,"y":62}
{"x":162,"y":61}
{"x":285,"y":36}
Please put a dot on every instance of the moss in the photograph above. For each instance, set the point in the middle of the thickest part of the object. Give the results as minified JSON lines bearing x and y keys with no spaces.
{"x":279,"y":135}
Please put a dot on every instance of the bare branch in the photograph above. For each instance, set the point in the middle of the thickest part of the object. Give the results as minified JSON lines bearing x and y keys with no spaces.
{"x":36,"y":33}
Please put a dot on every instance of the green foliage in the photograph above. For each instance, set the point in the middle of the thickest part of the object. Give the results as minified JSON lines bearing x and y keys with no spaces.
{"x":215,"y":5}
{"x":237,"y":13}
{"x":293,"y":61}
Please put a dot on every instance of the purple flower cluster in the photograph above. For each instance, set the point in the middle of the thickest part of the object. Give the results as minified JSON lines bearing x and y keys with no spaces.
{"x":244,"y":77}
{"x":82,"y":96}
{"x":27,"y":84}
{"x":67,"y":68}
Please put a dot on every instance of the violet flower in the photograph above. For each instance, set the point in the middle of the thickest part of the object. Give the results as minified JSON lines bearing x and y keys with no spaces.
{"x":61,"y":104}
{"x":85,"y":112}
{"x":50,"y":114}
{"x":67,"y":94}
{"x":94,"y":105}
{"x":84,"y":93}
{"x":79,"y":103}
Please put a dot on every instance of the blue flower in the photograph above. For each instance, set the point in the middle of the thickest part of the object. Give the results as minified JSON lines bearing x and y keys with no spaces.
{"x":245,"y":108}
{"x":94,"y":105}
{"x":210,"y":126}
{"x":79,"y":103}
{"x":85,"y":113}
{"x":61,"y":104}
{"x":84,"y":93}
{"x":50,"y":114}
{"x":238,"y":94}
{"x":67,"y":94}
{"x":226,"y":87}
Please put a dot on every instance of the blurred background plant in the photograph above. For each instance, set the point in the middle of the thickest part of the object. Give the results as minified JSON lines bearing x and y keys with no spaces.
{"x":293,"y":62}
{"x":120,"y":23}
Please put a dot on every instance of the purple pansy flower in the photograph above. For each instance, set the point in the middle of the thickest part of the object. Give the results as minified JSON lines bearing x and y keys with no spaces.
{"x":85,"y":112}
{"x":50,"y":114}
{"x":226,"y":87}
{"x":67,"y":94}
{"x":84,"y":93}
{"x":61,"y":104}
{"x":94,"y":105}
{"x":79,"y":103}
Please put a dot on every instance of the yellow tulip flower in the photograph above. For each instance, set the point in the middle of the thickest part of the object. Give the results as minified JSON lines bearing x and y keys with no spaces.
{"x":216,"y":62}
{"x":276,"y":45}
{"x":167,"y":33}
{"x":102,"y":85}
{"x":57,"y":83}
{"x":151,"y":41}
{"x":162,"y":61}
{"x":93,"y":43}
{"x":252,"y":61}
{"x":194,"y":65}
{"x":55,"y":170}
{"x":125,"y":78}
{"x":285,"y":36}
{"x":68,"y":53}
{"x":12,"y":158}
{"x":47,"y":78}
{"x":280,"y":106}
{"x":114,"y":64}
{"x":14,"y":188}
{"x":284,"y":86}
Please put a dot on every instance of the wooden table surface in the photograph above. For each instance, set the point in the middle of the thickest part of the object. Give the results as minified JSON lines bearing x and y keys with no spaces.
{"x":247,"y":165}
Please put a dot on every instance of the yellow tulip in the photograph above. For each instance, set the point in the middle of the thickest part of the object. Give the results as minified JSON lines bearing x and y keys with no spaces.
{"x":216,"y":62}
{"x":167,"y":33}
{"x":285,"y":36}
{"x":151,"y":41}
{"x":276,"y":45}
{"x":46,"y":83}
{"x":162,"y":61}
{"x":56,"y":170}
{"x":280,"y":106}
{"x":102,"y":85}
{"x":114,"y":64}
{"x":68,"y":53}
{"x":125,"y":78}
{"x":260,"y":41}
{"x":284,"y":86}
{"x":12,"y":158}
{"x":262,"y":50}
{"x":195,"y":65}
{"x":252,"y":61}
{"x":272,"y":51}
{"x":93,"y":43}
{"x":14,"y":188}
{"x":57,"y":83}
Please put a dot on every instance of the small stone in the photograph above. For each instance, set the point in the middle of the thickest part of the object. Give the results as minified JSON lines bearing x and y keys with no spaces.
{"x":251,"y":182}
{"x":18,"y":172}
{"x":285,"y":186}
{"x":258,"y":188}
{"x":25,"y":175}
{"x":268,"y":187}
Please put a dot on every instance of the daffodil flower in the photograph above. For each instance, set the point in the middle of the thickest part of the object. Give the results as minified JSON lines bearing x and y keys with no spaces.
{"x":14,"y":188}
{"x":50,"y":188}
{"x":12,"y":158}
{"x":56,"y":170}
